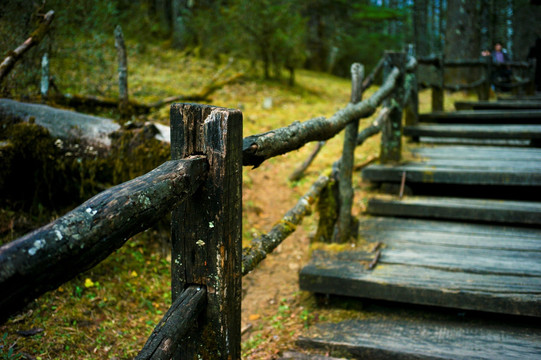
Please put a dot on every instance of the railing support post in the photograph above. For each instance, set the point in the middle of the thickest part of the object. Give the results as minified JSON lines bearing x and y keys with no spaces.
{"x":437,"y":91}
{"x":412,"y":107}
{"x":206,"y":230}
{"x":391,"y":133}
{"x":484,"y":91}
{"x":345,"y":184}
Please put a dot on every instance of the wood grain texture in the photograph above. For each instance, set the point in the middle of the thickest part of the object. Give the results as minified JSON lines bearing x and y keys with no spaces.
{"x":465,"y":266}
{"x":206,"y":229}
{"x":469,"y":165}
{"x":51,"y":255}
{"x":175,"y":324}
{"x":421,"y":338}
{"x":499,"y":211}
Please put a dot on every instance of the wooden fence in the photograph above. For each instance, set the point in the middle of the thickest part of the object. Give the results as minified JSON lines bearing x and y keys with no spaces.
{"x":203,"y":184}
{"x":483,"y":84}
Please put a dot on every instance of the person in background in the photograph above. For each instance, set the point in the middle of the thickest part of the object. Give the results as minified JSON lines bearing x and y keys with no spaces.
{"x":535,"y":53}
{"x":501,"y":75}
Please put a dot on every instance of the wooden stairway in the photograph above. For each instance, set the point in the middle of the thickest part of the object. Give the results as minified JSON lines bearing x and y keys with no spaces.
{"x":445,"y":248}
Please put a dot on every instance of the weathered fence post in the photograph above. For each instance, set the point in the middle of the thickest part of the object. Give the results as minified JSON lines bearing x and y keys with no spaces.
{"x":484,"y":91}
{"x":412,"y":106}
{"x":343,"y":225}
{"x":206,"y":230}
{"x":437,"y":90}
{"x":391,"y":132}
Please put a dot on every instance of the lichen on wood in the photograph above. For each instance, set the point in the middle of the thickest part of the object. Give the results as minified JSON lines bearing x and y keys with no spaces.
{"x":47,"y":257}
{"x":258,"y":148}
{"x":265,"y":244}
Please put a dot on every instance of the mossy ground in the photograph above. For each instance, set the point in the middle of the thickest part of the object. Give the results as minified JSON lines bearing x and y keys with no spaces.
{"x":109,"y":311}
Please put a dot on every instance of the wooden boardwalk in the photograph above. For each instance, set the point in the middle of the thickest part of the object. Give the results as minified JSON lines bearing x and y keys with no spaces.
{"x":468,"y":241}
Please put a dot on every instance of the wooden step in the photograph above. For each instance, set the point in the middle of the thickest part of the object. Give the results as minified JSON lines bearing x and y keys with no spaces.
{"x":483,"y":117}
{"x":494,"y":211}
{"x":499,"y":105}
{"x":465,"y":165}
{"x":528,"y":132}
{"x":419,"y":337}
{"x":464,"y":266}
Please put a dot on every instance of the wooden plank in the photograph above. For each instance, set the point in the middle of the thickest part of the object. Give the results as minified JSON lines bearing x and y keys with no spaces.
{"x":475,"y":131}
{"x":206,"y":230}
{"x":512,"y":212}
{"x":483,"y":117}
{"x":466,"y":266}
{"x":477,"y":152}
{"x":418,"y":173}
{"x":379,"y":224}
{"x":417,"y":337}
{"x":498,"y":105}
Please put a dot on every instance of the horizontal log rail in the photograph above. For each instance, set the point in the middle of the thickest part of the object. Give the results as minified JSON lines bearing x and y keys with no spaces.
{"x":458,"y":87}
{"x":55,"y":253}
{"x":260,"y":147}
{"x":436,"y":61}
{"x":174,"y":325}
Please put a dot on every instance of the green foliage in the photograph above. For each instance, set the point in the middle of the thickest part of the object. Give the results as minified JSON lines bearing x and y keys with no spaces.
{"x":6,"y":351}
{"x":272,"y":32}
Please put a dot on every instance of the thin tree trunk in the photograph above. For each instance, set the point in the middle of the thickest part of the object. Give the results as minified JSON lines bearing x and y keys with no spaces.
{"x":8,"y":63}
{"x":123,"y":103}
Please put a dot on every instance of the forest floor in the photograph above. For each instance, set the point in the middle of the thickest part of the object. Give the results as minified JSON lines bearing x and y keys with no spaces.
{"x":109,"y":311}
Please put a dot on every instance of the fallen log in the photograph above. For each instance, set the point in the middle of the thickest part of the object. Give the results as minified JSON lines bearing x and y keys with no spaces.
{"x":61,"y":123}
{"x":55,"y":253}
{"x":34,"y":38}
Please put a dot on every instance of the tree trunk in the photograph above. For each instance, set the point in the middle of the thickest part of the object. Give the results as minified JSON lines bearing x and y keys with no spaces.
{"x":420,"y":29}
{"x":123,"y":101}
{"x":462,"y":38}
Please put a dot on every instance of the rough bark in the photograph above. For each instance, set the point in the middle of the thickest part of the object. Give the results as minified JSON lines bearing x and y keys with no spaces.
{"x":207,"y":229}
{"x":258,"y":148}
{"x":265,"y":244}
{"x":175,"y":324}
{"x":49,"y":256}
{"x":345,"y":186}
{"x":123,"y":101}
{"x":12,"y":57}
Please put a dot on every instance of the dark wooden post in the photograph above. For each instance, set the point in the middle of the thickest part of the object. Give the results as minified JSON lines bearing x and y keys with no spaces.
{"x":391,"y":132}
{"x":437,"y":90}
{"x":484,"y":91}
{"x":343,"y":225}
{"x":412,"y":107}
{"x":123,"y":101}
{"x":530,"y":88}
{"x":206,"y":230}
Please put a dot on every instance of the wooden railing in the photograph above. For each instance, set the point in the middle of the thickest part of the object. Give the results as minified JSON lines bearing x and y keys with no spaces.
{"x":483,"y":84}
{"x":203,"y":185}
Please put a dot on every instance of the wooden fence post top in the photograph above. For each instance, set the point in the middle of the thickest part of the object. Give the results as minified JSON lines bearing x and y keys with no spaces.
{"x":206,"y":230}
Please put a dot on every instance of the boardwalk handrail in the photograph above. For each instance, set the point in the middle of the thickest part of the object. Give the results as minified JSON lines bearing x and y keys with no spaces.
{"x":55,"y":253}
{"x":483,"y":84}
{"x":204,"y":178}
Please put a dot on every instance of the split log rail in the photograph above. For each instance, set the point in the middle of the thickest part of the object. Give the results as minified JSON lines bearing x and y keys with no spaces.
{"x":203,"y":185}
{"x":483,"y":84}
